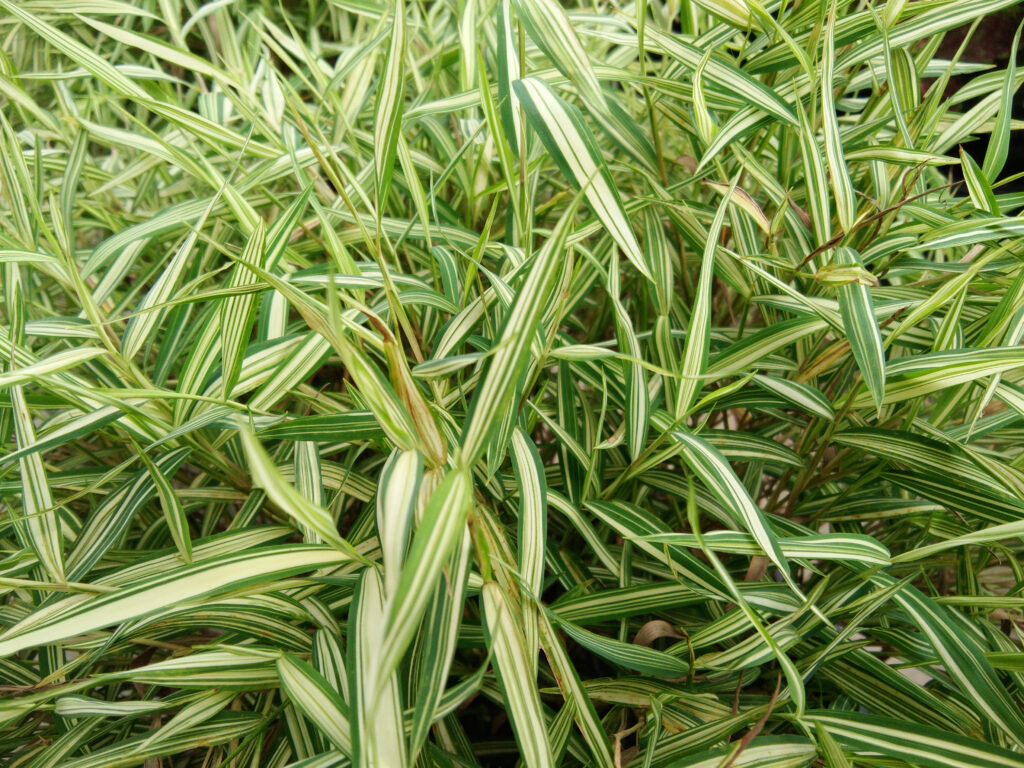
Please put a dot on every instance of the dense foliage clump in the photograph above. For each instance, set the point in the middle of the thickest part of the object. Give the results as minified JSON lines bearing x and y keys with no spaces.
{"x":468,"y":382}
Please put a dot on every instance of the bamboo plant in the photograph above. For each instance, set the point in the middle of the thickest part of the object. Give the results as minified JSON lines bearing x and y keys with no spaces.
{"x":509,"y":382}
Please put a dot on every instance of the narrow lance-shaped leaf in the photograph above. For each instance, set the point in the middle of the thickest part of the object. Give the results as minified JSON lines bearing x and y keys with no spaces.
{"x":379,"y":395}
{"x":396,"y":500}
{"x":136,"y":750}
{"x":999,"y":144}
{"x":496,"y":391}
{"x":353,"y":426}
{"x":761,"y":752}
{"x":918,"y":744}
{"x":153,"y":46}
{"x":38,"y":520}
{"x":236,"y":314}
{"x":439,"y":638}
{"x":550,"y":28}
{"x":176,"y":586}
{"x":148,"y":316}
{"x":329,"y":659}
{"x":174,"y":512}
{"x":309,"y":481}
{"x":801,"y":395}
{"x":963,"y":657}
{"x":789,"y":670}
{"x":70,"y":431}
{"x":983,"y":536}
{"x":570,"y":143}
{"x":719,"y":72}
{"x":109,"y":521}
{"x":518,"y":684}
{"x":842,"y":187}
{"x":698,"y":339}
{"x":55,"y":363}
{"x":429,"y":436}
{"x":917,"y":375}
{"x":284,"y":495}
{"x":379,"y":737}
{"x":94,"y":63}
{"x":192,"y":715}
{"x":532,"y":537}
{"x":714,"y":471}
{"x":388,"y":117}
{"x":816,"y":186}
{"x":630,"y":519}
{"x":637,"y":412}
{"x":629,"y":655}
{"x":702,"y":117}
{"x":437,"y":535}
{"x":574,"y":693}
{"x":861,"y":328}
{"x":743,"y":199}
{"x":508,"y":72}
{"x":830,"y":749}
{"x":317,"y":700}
{"x":823,"y":546}
{"x":978,"y":186}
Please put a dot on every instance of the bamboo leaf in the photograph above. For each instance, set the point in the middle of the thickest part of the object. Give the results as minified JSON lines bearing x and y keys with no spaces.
{"x":513,"y":666}
{"x":550,"y":28}
{"x":77,"y":617}
{"x":861,"y":329}
{"x":317,"y":700}
{"x":390,"y":101}
{"x":570,"y":143}
{"x":380,"y":738}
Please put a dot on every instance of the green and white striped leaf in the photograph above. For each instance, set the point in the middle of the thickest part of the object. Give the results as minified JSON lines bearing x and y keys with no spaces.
{"x":824,"y":546}
{"x":390,"y":101}
{"x":532,"y":538}
{"x":920,"y":745}
{"x":999,"y":142}
{"x":521,"y":323}
{"x":442,"y":625}
{"x":635,"y":657}
{"x":842,"y":187}
{"x":174,"y":512}
{"x":439,"y":531}
{"x":570,"y":143}
{"x":192,"y":715}
{"x":379,"y":737}
{"x":37,"y":525}
{"x":237,"y":312}
{"x":52,"y":364}
{"x":698,"y":339}
{"x":861,"y":328}
{"x":803,"y":396}
{"x":764,"y":752}
{"x":551,"y":29}
{"x":74,"y":617}
{"x":149,"y":315}
{"x":978,"y":186}
{"x":317,"y":700}
{"x":136,"y":750}
{"x":923,"y":374}
{"x":573,"y":692}
{"x":714,"y":471}
{"x":287,"y":498}
{"x":984,"y":536}
{"x":354,"y":426}
{"x":964,"y":660}
{"x":519,"y":686}
{"x":396,"y":502}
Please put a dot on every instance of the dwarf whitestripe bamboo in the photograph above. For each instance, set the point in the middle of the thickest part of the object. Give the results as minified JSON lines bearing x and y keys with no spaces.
{"x":474,"y":382}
